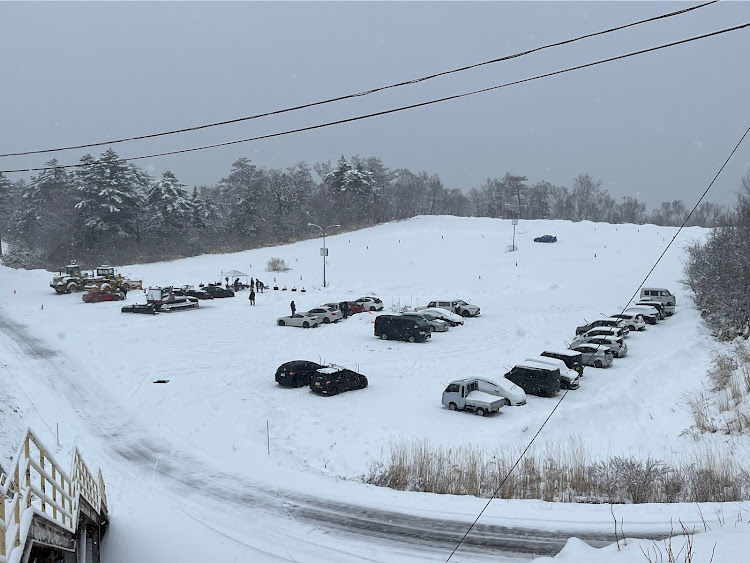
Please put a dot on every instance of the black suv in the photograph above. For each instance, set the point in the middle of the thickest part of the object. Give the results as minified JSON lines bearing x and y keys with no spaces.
{"x":412,"y":328}
{"x":296,"y":373}
{"x":572,"y":359}
{"x":536,"y":379}
{"x":332,"y":380}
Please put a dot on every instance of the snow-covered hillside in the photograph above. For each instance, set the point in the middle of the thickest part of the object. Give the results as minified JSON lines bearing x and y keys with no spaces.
{"x":91,"y":370}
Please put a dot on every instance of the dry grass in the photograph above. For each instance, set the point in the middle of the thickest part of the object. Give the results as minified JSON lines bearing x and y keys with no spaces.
{"x":558,"y":472}
{"x":726,"y":408}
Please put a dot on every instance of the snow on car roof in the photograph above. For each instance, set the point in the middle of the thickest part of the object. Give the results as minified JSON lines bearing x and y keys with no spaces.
{"x":590,"y":346}
{"x":333,"y":368}
{"x":536,"y":365}
{"x":564,"y":352}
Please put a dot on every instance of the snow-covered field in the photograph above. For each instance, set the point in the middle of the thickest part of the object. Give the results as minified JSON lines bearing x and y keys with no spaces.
{"x":91,"y":371}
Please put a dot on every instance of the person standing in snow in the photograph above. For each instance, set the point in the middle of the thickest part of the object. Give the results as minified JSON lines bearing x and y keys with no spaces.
{"x":294,"y":307}
{"x":252,"y":297}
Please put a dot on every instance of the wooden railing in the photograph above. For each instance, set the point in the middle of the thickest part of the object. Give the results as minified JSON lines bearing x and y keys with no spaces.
{"x":36,"y":482}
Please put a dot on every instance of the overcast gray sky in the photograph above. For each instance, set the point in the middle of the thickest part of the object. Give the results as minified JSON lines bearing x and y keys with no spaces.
{"x":656,"y":126}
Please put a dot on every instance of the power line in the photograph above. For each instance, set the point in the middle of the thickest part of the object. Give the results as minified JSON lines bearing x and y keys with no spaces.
{"x":669,"y":244}
{"x":494,"y":493}
{"x":700,"y":199}
{"x":405,"y":108}
{"x":365,"y":92}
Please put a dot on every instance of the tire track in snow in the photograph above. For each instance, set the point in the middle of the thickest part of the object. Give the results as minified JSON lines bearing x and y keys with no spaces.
{"x":187,"y":473}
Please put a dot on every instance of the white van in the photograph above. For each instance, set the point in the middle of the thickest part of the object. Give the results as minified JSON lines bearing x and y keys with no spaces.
{"x":663,"y":296}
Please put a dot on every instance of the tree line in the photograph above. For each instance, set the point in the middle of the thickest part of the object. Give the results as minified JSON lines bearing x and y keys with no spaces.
{"x":717,"y":271}
{"x":109,"y":210}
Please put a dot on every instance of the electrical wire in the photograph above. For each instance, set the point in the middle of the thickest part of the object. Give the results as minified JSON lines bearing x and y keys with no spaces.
{"x":363,"y":93}
{"x":494,"y":493}
{"x":700,"y":199}
{"x":404,"y":108}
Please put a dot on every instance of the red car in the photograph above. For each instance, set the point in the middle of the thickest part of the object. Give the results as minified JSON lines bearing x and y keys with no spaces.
{"x":355,"y":307}
{"x":96,"y":296}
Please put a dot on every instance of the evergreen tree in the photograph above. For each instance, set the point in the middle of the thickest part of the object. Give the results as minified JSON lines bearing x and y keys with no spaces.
{"x":244,"y":193}
{"x":109,"y":202}
{"x":168,"y":210}
{"x":44,"y":220}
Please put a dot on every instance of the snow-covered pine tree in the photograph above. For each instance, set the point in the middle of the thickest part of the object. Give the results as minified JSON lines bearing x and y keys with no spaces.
{"x":44,"y":218}
{"x":243,"y":192}
{"x":109,"y":200}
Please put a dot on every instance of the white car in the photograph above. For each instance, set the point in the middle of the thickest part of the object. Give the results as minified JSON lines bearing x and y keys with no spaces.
{"x":451,"y":318}
{"x":617,"y":345}
{"x":325,"y":315}
{"x":617,"y":331}
{"x":436,"y":324}
{"x":633,"y":321}
{"x":370,"y":303}
{"x":650,"y":315}
{"x":458,"y":306}
{"x":514,"y":395}
{"x":298,"y":319}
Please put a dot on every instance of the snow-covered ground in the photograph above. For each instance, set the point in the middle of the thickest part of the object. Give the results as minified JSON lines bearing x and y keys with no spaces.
{"x":187,"y":452}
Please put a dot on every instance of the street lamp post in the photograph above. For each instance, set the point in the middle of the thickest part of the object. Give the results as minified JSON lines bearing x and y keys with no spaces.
{"x":324,"y":250}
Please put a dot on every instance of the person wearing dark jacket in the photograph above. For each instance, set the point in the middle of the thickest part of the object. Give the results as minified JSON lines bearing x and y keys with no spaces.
{"x":294,"y":307}
{"x":252,"y":297}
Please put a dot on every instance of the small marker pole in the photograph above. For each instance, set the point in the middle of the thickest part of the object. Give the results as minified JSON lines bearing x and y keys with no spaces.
{"x":268,"y":439}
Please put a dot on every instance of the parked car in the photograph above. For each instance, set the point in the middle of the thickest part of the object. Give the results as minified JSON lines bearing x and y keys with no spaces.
{"x":296,"y":373}
{"x":457,"y":306}
{"x":412,"y":328}
{"x":535,"y":378}
{"x":514,"y":395}
{"x":298,"y":319}
{"x":605,"y":331}
{"x":436,"y":325}
{"x":616,"y":344}
{"x":370,"y":303}
{"x":660,"y":294}
{"x":190,"y":291}
{"x":546,"y":238}
{"x":325,"y":315}
{"x":218,"y":292}
{"x":342,"y":307}
{"x":354,"y":307}
{"x":332,"y":380}
{"x":464,"y":394}
{"x":451,"y":318}
{"x":569,"y":378}
{"x":656,"y":305}
{"x":633,"y":321}
{"x":606,"y":322}
{"x":571,"y":358}
{"x":97,"y":296}
{"x":667,"y":309}
{"x":594,"y":355}
{"x":649,"y":315}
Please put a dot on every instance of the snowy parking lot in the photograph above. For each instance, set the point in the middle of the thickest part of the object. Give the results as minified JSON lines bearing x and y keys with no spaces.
{"x":221,"y":410}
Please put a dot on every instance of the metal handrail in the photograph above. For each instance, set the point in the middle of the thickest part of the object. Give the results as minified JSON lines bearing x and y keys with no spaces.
{"x":36,"y":481}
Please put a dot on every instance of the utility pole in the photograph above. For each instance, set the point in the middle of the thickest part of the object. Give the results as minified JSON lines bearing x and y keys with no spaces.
{"x":324,"y":250}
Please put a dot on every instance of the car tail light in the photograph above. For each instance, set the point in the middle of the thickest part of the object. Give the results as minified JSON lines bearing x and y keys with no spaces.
{"x":291,"y":373}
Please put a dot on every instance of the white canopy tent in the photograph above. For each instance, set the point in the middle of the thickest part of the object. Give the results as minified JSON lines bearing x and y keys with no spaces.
{"x":233,"y":274}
